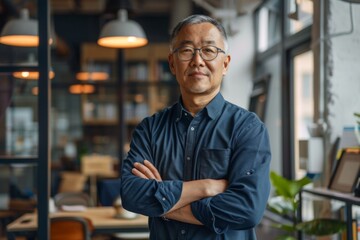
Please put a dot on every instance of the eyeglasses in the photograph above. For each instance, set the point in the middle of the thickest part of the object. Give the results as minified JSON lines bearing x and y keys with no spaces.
{"x":207,"y":53}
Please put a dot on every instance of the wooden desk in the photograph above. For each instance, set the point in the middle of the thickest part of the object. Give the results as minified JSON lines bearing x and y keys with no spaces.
{"x":101,"y":217}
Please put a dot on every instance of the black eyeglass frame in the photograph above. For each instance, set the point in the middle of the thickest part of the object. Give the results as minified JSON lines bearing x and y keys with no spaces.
{"x":176,"y":50}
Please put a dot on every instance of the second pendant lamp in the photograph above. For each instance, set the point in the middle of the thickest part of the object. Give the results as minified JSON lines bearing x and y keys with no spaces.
{"x":122,"y":33}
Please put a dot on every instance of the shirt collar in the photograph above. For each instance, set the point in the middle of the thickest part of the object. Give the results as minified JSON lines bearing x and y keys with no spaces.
{"x":212,"y":109}
{"x":215,"y":105}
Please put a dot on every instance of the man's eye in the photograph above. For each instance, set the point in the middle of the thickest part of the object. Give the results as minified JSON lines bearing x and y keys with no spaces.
{"x":186,"y":50}
{"x":208,"y":50}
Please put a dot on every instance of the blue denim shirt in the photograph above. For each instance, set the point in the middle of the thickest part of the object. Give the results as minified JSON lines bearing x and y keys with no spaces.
{"x":221,"y":141}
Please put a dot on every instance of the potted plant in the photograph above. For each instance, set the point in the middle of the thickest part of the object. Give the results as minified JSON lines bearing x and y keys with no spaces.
{"x":286,"y":204}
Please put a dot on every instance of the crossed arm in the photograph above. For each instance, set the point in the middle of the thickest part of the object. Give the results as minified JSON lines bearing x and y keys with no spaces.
{"x":191,"y":191}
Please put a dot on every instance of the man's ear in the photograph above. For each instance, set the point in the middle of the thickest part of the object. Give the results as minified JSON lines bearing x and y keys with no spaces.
{"x":226,"y":64}
{"x":171,"y":63}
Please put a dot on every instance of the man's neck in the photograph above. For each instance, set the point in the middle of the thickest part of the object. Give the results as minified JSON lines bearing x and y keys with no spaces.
{"x":195,"y":103}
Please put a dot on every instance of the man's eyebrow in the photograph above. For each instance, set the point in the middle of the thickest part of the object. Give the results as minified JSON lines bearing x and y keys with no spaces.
{"x":207,"y":42}
{"x":185,"y":42}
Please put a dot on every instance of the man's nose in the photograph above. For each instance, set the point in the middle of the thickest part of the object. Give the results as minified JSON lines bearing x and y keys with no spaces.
{"x":197,"y":59}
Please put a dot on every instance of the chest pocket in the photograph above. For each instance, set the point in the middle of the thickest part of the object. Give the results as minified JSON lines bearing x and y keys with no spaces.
{"x":214,"y":163}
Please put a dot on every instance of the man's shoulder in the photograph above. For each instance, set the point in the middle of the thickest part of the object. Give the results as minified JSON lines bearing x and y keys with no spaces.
{"x":166,"y":114}
{"x":241,"y":114}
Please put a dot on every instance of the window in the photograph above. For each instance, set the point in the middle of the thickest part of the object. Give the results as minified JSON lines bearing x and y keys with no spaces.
{"x":284,"y":33}
{"x":269,"y":27}
{"x":303,"y":103}
{"x":299,"y":16}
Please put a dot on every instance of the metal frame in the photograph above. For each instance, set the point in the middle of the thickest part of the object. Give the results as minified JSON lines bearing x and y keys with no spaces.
{"x":348,"y":199}
{"x":43,"y":159}
{"x":284,"y":48}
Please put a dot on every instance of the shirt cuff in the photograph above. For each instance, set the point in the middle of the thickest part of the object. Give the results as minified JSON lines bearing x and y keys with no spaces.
{"x":202,"y":211}
{"x":168,"y":194}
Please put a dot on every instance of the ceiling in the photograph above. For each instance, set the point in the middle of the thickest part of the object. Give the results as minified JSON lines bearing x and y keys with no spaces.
{"x":78,"y":21}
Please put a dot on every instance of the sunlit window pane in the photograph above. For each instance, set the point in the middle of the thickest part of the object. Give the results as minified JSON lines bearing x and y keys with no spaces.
{"x":268,"y":25}
{"x":303,"y":102}
{"x":300,"y":15}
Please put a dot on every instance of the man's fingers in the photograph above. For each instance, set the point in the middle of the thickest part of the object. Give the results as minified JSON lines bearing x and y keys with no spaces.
{"x":144,"y":170}
{"x":138,"y":173}
{"x":153,"y":169}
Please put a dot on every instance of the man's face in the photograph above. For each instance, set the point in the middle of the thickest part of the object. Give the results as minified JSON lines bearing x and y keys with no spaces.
{"x":197,"y":76}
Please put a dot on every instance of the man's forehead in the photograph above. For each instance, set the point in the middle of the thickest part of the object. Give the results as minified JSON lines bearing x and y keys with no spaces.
{"x":203,"y":33}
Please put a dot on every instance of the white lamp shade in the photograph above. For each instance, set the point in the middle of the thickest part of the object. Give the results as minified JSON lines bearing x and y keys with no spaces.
{"x":122,"y":33}
{"x":31,"y":75}
{"x":22,"y":32}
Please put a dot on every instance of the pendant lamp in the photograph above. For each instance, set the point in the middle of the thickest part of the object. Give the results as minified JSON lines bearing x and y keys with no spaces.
{"x":122,"y":33}
{"x":31,"y":75}
{"x":92,"y":72}
{"x":22,"y":32}
{"x":81,"y":89}
{"x":92,"y":76}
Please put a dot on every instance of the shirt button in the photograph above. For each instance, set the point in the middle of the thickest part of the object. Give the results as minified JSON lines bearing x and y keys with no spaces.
{"x":164,"y":199}
{"x":183,"y":231}
{"x":192,"y":128}
{"x":185,"y":114}
{"x":188,"y":158}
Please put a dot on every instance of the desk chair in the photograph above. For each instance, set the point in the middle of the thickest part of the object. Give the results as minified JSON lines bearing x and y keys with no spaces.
{"x":70,"y":228}
{"x":72,"y":198}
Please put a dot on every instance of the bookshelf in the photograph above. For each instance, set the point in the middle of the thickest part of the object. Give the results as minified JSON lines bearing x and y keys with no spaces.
{"x":148,"y":86}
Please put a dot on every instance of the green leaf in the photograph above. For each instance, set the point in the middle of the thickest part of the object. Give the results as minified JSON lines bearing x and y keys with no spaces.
{"x":285,"y":227}
{"x":322,"y":227}
{"x":285,"y":238}
{"x":281,"y":206}
{"x":357,"y":115}
{"x":287,"y":188}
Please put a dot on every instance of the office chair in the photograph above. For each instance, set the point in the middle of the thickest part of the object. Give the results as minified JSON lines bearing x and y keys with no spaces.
{"x":72,"y":198}
{"x":70,"y":228}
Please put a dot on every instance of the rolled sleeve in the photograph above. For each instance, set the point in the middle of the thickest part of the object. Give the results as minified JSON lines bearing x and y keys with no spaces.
{"x":168,"y":193}
{"x":242,"y":205}
{"x":202,"y":212}
{"x":148,"y":197}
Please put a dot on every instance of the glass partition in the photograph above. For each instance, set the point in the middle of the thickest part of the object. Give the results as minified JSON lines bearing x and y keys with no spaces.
{"x":18,"y":121}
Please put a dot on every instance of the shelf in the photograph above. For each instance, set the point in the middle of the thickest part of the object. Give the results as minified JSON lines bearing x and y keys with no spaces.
{"x":16,"y":68}
{"x":18,"y":160}
{"x":346,"y":198}
{"x":324,"y":192}
{"x":96,"y":122}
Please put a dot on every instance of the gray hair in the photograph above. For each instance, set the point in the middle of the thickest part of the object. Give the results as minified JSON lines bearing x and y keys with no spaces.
{"x":196,"y":19}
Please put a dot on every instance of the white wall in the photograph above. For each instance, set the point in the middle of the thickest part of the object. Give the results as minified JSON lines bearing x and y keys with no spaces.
{"x":343,"y":67}
{"x":237,"y":84}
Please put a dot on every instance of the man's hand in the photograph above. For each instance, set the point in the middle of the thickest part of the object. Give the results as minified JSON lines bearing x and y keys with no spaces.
{"x":192,"y":191}
{"x":146,"y":170}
